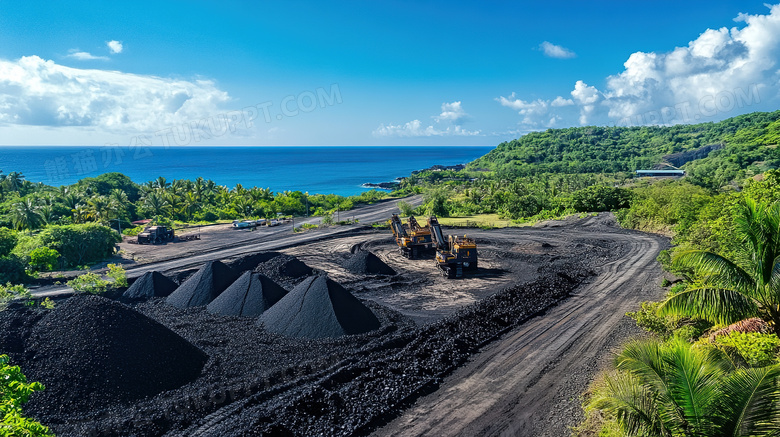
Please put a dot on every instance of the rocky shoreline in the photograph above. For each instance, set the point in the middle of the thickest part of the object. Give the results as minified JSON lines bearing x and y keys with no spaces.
{"x":397,"y":183}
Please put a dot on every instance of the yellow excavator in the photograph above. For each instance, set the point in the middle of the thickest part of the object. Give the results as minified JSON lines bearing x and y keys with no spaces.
{"x":412,"y":239}
{"x":453,"y":254}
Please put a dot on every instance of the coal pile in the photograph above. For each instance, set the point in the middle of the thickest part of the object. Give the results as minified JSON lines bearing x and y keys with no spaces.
{"x":285,"y":269}
{"x":365,"y":262}
{"x":359,"y":394}
{"x":91,"y":351}
{"x":317,"y":308}
{"x":204,"y":286}
{"x":249,"y":296}
{"x":151,"y":284}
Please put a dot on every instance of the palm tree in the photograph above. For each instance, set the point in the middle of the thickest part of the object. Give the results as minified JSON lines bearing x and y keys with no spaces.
{"x":244,"y":205}
{"x":13,"y":181}
{"x":24,"y":215}
{"x":199,"y":188}
{"x":210,"y":188}
{"x":81,"y":214}
{"x":118,"y":196}
{"x":161,"y":183}
{"x":102,"y":208}
{"x":174,"y":201}
{"x":156,"y":204}
{"x":727,"y":291}
{"x":672,"y":389}
{"x":191,"y":204}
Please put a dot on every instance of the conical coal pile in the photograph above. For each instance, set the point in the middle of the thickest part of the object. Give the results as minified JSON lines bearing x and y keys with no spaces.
{"x":319,"y":307}
{"x":365,"y":262}
{"x":284,"y":266}
{"x":204,"y":286}
{"x":91,"y":351}
{"x":151,"y":284}
{"x":250,"y":295}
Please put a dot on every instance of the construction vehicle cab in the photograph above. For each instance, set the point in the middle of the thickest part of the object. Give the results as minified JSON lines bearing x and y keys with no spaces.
{"x":453,"y":254}
{"x":412,"y":239}
{"x":155,"y":235}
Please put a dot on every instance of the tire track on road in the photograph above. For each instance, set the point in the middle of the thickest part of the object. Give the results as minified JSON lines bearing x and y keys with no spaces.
{"x":511,"y":387}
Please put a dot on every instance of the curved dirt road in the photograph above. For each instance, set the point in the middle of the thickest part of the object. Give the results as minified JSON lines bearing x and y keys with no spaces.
{"x":528,"y":383}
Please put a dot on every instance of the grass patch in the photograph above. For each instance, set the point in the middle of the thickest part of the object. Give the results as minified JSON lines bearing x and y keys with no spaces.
{"x":477,"y":221}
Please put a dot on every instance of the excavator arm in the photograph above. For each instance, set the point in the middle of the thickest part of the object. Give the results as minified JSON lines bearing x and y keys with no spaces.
{"x":436,"y":234}
{"x":397,"y":227}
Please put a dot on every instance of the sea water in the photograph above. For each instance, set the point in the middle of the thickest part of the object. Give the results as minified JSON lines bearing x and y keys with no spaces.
{"x":332,"y":169}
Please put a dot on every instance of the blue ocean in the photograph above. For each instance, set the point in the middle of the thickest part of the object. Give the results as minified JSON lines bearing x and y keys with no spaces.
{"x":324,"y":170}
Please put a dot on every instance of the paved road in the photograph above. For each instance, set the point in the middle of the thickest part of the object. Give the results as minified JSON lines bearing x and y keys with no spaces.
{"x":522,"y":384}
{"x":273,"y":238}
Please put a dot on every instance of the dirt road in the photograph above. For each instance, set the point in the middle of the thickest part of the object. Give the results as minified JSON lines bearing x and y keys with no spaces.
{"x":223,"y":242}
{"x":528,"y":383}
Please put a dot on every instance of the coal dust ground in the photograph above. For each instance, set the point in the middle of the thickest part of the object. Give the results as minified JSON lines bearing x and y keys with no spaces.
{"x":255,"y":382}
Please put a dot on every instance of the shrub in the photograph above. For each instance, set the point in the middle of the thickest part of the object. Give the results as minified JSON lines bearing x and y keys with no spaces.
{"x":94,"y":284}
{"x":12,"y":269}
{"x":8,"y":238}
{"x":647,"y":319}
{"x":406,"y":208}
{"x":9,"y":292}
{"x":206,"y":216}
{"x":89,"y":283}
{"x":43,"y":258}
{"x":598,"y":198}
{"x":118,"y":274}
{"x":132,"y":232}
{"x":25,"y":244}
{"x":757,"y":349}
{"x":15,"y":391}
{"x":81,"y":244}
{"x":47,"y":304}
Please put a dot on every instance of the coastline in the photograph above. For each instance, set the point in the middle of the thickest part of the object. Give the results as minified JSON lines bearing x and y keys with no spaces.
{"x":393,"y":185}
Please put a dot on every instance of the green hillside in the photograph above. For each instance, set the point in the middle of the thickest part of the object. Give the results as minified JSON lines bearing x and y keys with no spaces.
{"x":748,"y":142}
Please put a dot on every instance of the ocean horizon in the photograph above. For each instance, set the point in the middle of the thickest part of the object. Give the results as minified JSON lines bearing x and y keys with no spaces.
{"x":315,"y":169}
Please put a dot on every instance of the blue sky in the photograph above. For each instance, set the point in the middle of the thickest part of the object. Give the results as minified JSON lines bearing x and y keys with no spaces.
{"x":370,"y":73}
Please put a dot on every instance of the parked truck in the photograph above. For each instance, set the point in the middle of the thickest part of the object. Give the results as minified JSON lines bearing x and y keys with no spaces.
{"x":155,"y":235}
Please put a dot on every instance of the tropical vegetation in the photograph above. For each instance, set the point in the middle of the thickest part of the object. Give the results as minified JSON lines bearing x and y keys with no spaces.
{"x":15,"y":391}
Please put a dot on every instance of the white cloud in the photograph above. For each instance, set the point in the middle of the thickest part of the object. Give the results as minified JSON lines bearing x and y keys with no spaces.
{"x":84,"y":56}
{"x":452,"y":112}
{"x":37,"y":92}
{"x":722,"y":73}
{"x":448,"y":123}
{"x":560,"y":101}
{"x":555,"y":51}
{"x":535,"y":113}
{"x":415,"y":128}
{"x":115,"y":46}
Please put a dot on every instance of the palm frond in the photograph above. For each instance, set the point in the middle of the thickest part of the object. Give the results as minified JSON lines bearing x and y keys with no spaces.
{"x":633,"y":404}
{"x":717,"y":305}
{"x":750,"y":402}
{"x":715,"y":269}
{"x":693,"y":381}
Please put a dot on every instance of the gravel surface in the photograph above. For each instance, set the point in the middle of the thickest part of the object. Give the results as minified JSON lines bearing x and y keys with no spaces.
{"x":249,"y":296}
{"x":318,"y":307}
{"x":151,"y":284}
{"x":204,"y":286}
{"x":365,"y":262}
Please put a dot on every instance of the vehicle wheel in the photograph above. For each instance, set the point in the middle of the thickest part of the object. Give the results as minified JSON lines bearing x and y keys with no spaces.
{"x":451,"y":272}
